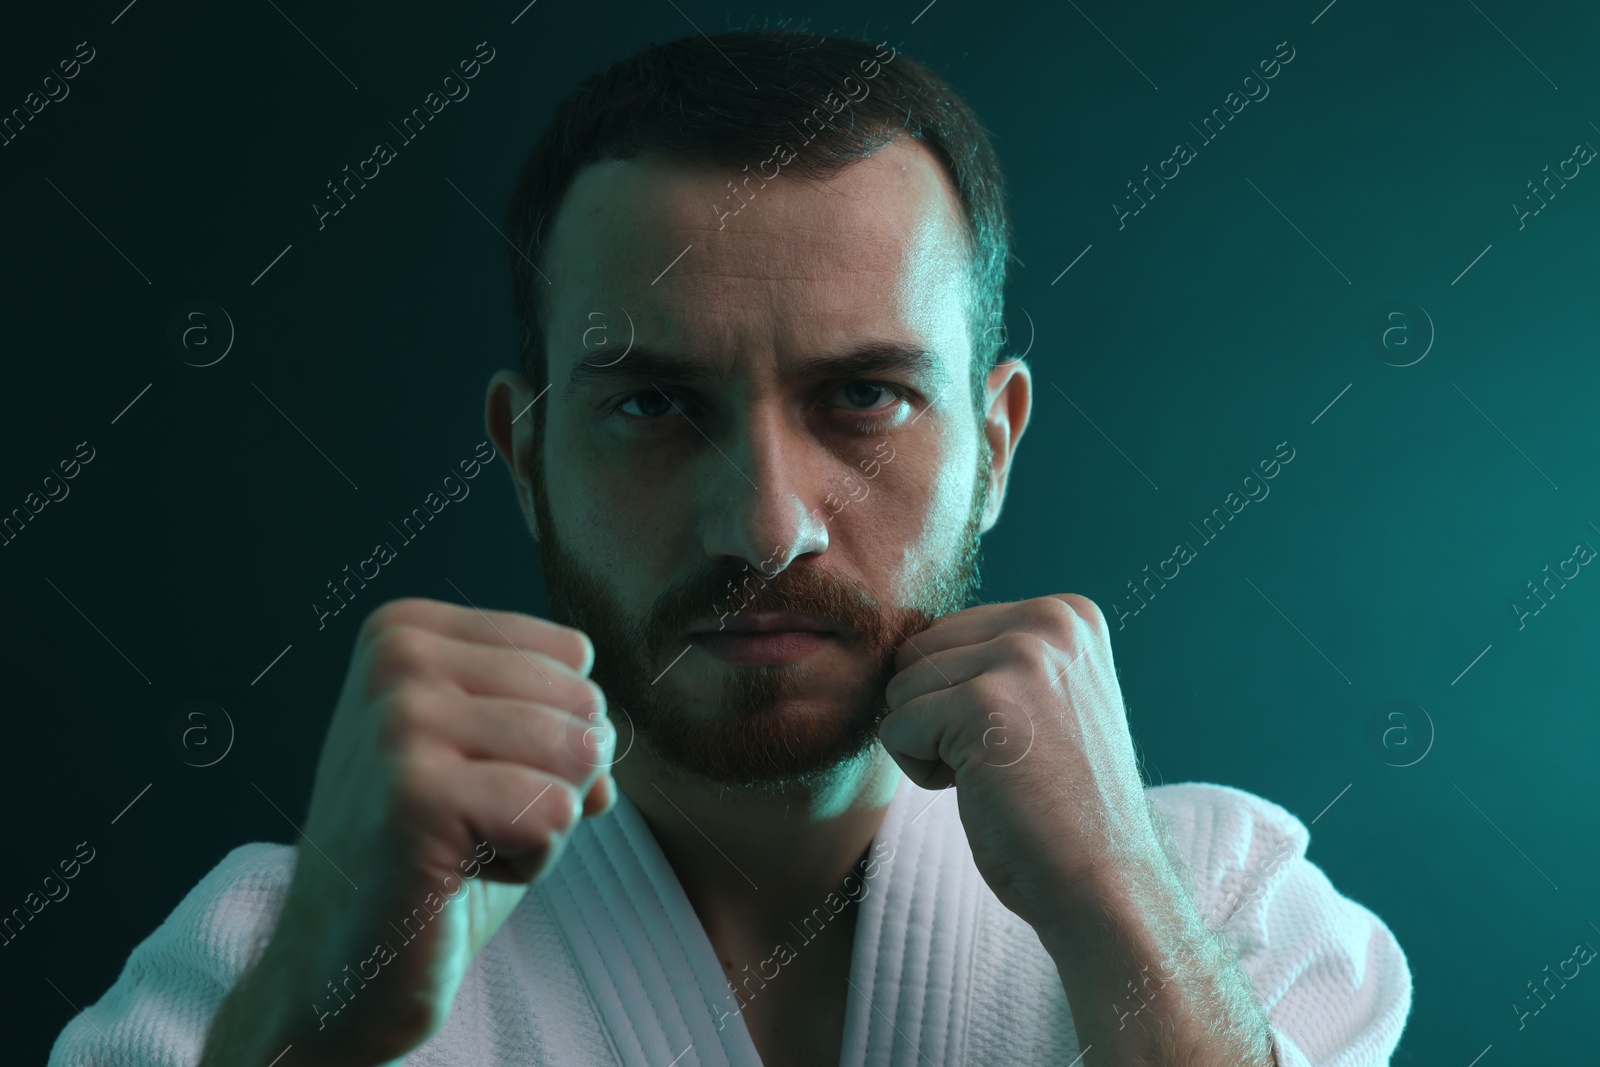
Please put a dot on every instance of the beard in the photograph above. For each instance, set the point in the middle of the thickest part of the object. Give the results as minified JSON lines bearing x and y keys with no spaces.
{"x":752,"y":742}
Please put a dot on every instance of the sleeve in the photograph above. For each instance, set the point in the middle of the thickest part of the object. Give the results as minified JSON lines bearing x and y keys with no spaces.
{"x":1330,"y":975}
{"x":159,"y":1010}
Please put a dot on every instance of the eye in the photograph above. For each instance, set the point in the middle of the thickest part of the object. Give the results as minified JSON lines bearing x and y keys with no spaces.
{"x":864,"y":392}
{"x":878,"y":401}
{"x":655,"y":404}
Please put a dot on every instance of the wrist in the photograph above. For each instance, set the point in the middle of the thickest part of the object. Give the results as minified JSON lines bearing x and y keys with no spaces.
{"x":270,"y":1014}
{"x":1109,"y":906}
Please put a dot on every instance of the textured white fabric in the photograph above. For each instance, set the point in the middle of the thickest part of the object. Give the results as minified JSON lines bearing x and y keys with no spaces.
{"x":605,"y":962}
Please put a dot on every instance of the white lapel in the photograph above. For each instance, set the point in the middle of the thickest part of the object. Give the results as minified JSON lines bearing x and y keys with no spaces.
{"x":641,"y":950}
{"x":911,"y":971}
{"x":661,"y":993}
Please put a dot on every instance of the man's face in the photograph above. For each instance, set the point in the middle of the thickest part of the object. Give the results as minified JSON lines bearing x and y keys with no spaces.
{"x":709,"y":476}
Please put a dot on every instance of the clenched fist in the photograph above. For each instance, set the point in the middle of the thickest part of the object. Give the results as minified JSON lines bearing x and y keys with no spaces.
{"x":464,"y":742}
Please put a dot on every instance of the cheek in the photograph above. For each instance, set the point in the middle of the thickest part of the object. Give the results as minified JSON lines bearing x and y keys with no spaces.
{"x":619,"y":517}
{"x":914,"y":516}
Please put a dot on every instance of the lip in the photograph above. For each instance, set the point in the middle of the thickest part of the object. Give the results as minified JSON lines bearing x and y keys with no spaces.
{"x":767,"y":622}
{"x":762,"y":646}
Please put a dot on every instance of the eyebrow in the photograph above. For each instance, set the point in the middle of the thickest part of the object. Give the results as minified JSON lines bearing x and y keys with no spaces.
{"x":644,"y":364}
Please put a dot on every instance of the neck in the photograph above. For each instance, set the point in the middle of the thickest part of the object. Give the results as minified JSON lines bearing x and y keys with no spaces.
{"x":757,"y":859}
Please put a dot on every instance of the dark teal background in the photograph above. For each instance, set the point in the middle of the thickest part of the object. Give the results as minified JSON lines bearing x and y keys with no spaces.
{"x":1175,"y":354}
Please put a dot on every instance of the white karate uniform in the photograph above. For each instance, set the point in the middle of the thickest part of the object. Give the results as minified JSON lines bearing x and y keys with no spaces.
{"x":604,"y":962}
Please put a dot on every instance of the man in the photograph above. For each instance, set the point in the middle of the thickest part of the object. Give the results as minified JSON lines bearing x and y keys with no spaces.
{"x":706,"y":816}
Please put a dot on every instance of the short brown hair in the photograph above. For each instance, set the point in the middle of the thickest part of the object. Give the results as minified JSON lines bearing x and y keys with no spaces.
{"x":694,"y":97}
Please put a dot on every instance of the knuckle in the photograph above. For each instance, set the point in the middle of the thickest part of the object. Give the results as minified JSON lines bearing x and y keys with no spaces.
{"x":987,"y":690}
{"x":412,"y":788}
{"x":596,"y":744}
{"x":406,"y":715}
{"x":398,"y":612}
{"x":1025,"y":646}
{"x":1051,"y":611}
{"x":548,"y":816}
{"x":1091,"y":613}
{"x":592,"y":699}
{"x":399,"y":652}
{"x":562,"y":742}
{"x":374,"y":623}
{"x":568,"y":807}
{"x":573,"y":647}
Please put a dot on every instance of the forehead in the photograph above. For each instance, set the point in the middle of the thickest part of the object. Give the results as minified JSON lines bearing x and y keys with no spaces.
{"x":732,"y":270}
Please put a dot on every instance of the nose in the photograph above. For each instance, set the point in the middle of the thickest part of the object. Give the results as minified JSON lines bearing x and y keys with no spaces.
{"x":758,"y":505}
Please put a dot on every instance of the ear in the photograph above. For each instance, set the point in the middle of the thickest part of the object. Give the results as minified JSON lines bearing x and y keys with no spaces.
{"x":1010,"y":390}
{"x":508,"y":414}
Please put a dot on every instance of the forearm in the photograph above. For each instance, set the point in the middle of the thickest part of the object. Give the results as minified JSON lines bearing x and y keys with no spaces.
{"x":266,"y":1020}
{"x":1149,"y":984}
{"x":249,"y":1026}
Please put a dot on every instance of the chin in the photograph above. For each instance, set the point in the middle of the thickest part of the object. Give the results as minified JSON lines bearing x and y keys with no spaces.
{"x":763,"y":743}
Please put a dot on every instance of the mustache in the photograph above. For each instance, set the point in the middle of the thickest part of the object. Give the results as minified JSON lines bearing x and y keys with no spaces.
{"x":736,"y":588}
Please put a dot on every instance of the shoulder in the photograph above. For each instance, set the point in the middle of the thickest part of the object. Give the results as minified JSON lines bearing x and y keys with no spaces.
{"x":160,"y":1007}
{"x":1224,"y":813}
{"x":227,"y":918}
{"x":1234,"y":842}
{"x":1331,"y":974}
